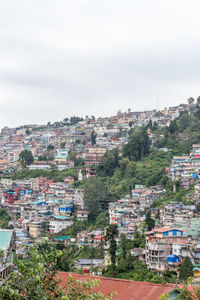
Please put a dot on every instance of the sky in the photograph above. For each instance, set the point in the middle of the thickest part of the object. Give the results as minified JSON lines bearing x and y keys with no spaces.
{"x":60,"y":58}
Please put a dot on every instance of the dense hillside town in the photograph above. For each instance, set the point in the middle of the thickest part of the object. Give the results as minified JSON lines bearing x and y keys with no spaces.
{"x":119,"y":195}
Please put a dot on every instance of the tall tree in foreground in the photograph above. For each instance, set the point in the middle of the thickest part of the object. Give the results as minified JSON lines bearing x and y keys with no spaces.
{"x":26,"y":158}
{"x":111,"y":235}
{"x":186,"y":269}
{"x":36,"y":279}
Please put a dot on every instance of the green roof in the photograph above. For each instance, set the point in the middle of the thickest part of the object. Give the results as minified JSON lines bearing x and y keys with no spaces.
{"x":5,"y":238}
{"x":63,"y":238}
{"x":196,"y":268}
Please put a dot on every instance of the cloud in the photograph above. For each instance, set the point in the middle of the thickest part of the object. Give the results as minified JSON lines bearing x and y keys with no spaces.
{"x":59,"y":58}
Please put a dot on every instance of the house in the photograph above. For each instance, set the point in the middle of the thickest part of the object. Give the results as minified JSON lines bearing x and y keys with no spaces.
{"x":88,"y":263}
{"x":196,"y":271}
{"x":159,"y":245}
{"x":94,"y":155}
{"x":82,"y":214}
{"x":7,"y":247}
{"x":59,"y":223}
{"x":40,"y":165}
{"x":138,"y":253}
{"x":35,"y":228}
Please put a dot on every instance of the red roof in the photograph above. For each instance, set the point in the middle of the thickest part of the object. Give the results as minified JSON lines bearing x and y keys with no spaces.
{"x":125,"y":289}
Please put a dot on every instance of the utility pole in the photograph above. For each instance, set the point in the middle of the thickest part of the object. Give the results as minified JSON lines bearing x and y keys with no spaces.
{"x":101,"y":241}
{"x":92,"y":254}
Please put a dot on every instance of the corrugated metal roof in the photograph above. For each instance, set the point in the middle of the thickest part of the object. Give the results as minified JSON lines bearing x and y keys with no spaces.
{"x":126,"y":289}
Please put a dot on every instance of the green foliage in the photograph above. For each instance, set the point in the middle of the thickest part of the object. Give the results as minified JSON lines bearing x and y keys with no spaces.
{"x":102,"y":220}
{"x":35,"y":279}
{"x":137,"y":271}
{"x":109,"y":163}
{"x":95,"y":197}
{"x":78,"y":161}
{"x":150,"y":223}
{"x":56,"y":175}
{"x":74,"y":120}
{"x":186,"y":269}
{"x":50,"y":147}
{"x":47,"y":156}
{"x":184,"y":122}
{"x":62,"y":145}
{"x":93,"y":137}
{"x":4,"y":219}
{"x":173,"y":127}
{"x":26,"y":158}
{"x":139,"y":238}
{"x":138,"y":146}
{"x":184,"y":293}
{"x":111,"y":235}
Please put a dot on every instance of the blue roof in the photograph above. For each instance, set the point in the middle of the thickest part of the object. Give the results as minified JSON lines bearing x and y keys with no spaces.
{"x":171,"y":256}
{"x":5,"y":238}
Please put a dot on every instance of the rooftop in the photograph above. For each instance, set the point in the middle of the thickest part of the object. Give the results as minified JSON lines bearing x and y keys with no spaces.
{"x":125,"y":289}
{"x":5,"y":238}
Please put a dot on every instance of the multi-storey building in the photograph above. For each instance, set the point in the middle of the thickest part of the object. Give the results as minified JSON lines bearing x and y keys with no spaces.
{"x":159,"y":245}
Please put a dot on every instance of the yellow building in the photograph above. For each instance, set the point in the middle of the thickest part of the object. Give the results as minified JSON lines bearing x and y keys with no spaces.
{"x":196,"y":271}
{"x":35,"y":229}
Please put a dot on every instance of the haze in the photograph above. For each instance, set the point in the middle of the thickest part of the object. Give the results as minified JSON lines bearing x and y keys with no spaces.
{"x":87,"y":57}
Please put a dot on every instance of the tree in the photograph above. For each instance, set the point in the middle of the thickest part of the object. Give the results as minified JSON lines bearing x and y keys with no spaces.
{"x":109,"y":163}
{"x":66,"y":120}
{"x":95,"y":197}
{"x":130,"y":171}
{"x":173,"y":127}
{"x":123,"y":164}
{"x":74,"y":120}
{"x":47,"y":156}
{"x":50,"y":147}
{"x":130,"y":124}
{"x":62,"y":145}
{"x":191,"y":100}
{"x":54,"y":168}
{"x":187,"y":292}
{"x":78,"y":162}
{"x":36,"y":278}
{"x":149,"y":125}
{"x":155,"y":126}
{"x":184,"y":122}
{"x":111,"y":235}
{"x":138,"y":146}
{"x":26,"y":158}
{"x":186,"y":269}
{"x":123,"y":246}
{"x":93,"y":138}
{"x":149,"y":221}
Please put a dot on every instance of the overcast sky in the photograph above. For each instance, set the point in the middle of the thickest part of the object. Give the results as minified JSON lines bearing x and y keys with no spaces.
{"x":93,"y":57}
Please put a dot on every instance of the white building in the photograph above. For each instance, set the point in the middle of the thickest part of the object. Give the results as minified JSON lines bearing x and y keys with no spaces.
{"x":56,"y":226}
